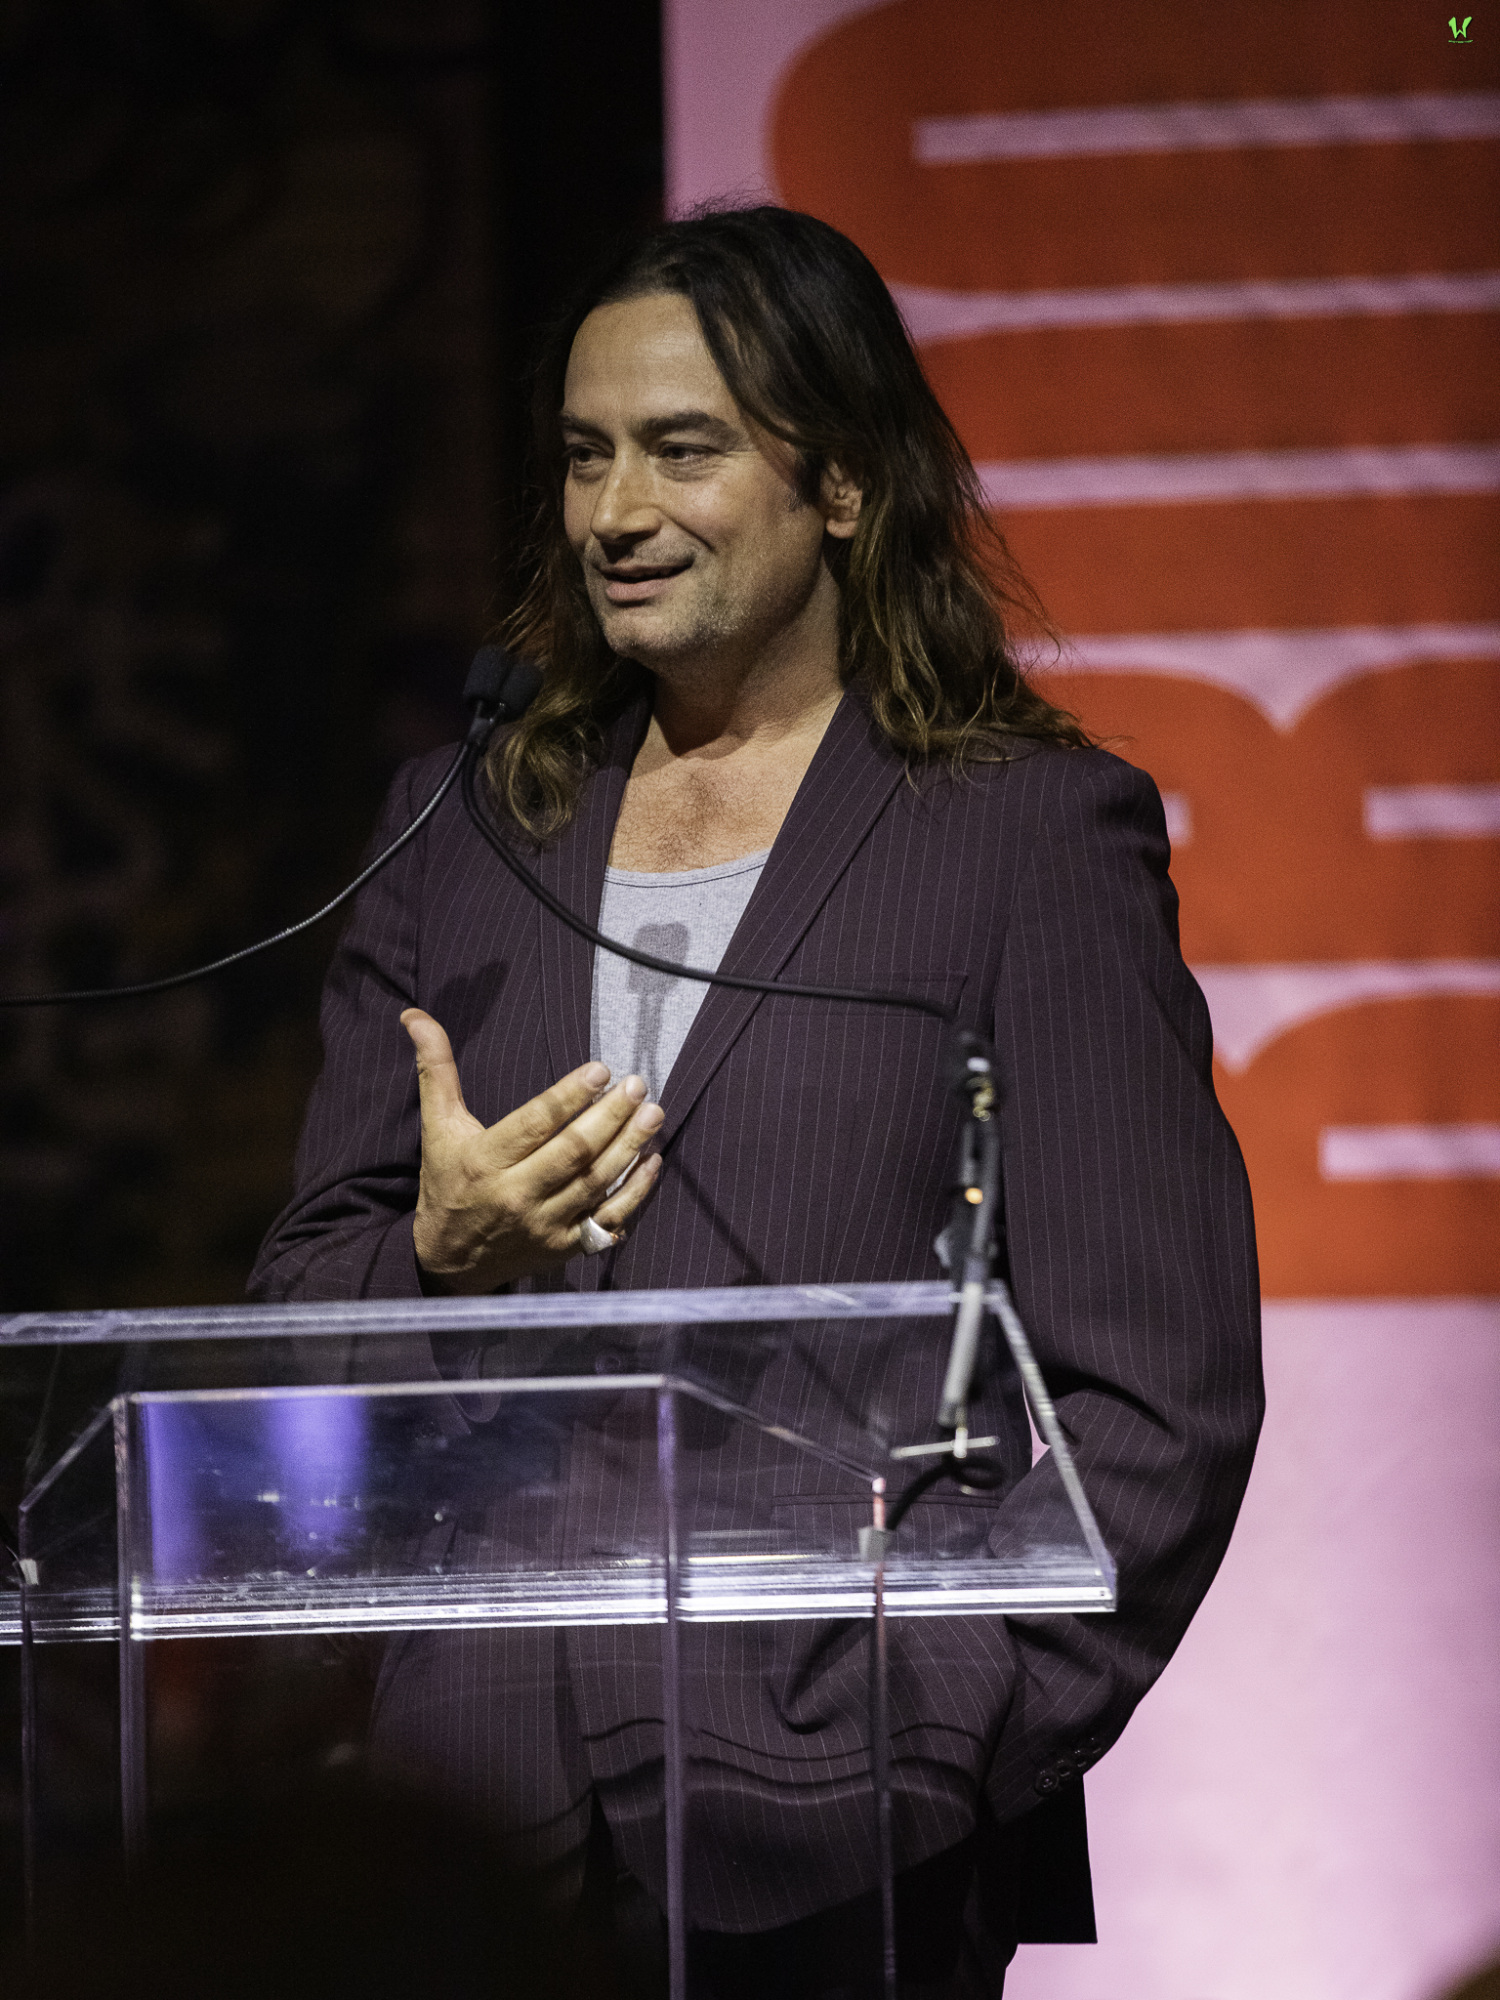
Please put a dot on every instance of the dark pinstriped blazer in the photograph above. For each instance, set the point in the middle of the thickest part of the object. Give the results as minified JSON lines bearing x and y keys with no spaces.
{"x":807,"y":1142}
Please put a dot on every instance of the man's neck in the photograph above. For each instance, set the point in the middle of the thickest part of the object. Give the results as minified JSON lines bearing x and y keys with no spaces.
{"x":720,"y":766}
{"x":758,"y":716}
{"x":715,"y":704}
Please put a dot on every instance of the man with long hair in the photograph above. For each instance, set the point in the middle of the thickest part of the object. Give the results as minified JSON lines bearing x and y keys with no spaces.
{"x":784,"y":729}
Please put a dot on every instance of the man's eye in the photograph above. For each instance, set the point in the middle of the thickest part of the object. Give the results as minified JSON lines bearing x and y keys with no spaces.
{"x":680,"y":454}
{"x":579,"y":457}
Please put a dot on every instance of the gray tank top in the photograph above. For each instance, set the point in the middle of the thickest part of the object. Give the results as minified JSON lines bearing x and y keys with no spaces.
{"x":640,"y":1018}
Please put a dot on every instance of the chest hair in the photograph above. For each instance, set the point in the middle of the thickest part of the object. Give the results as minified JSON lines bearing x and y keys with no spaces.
{"x":696,"y":816}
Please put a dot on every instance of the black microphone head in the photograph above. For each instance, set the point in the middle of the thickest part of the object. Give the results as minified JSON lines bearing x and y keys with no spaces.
{"x":502,"y":682}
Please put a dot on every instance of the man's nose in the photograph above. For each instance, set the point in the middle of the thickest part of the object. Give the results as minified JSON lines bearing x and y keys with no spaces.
{"x":623,"y":505}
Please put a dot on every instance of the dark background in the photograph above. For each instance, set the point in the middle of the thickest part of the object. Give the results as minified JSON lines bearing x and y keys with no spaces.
{"x":272,"y":277}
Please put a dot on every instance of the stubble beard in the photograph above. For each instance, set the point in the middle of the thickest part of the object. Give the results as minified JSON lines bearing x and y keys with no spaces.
{"x":697,"y":645}
{"x":684,"y":648}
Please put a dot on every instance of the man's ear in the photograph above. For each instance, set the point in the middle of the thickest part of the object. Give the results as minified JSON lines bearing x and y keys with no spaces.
{"x":840,"y":500}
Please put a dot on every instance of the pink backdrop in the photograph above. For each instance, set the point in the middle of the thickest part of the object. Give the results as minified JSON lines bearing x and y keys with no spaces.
{"x":1212,"y":299}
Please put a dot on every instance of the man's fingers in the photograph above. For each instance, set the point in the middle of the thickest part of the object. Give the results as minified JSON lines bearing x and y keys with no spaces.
{"x":437,"y":1073}
{"x":571,"y":1114}
{"x":614,"y":1213}
{"x":596,"y":1183}
{"x":612,"y":1186}
{"x":576,"y":1168}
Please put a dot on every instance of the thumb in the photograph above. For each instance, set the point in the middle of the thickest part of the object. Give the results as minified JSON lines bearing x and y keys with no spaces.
{"x":441,"y":1093}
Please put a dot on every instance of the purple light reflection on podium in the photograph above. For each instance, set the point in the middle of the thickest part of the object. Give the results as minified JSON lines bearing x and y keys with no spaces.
{"x":281,"y":1477}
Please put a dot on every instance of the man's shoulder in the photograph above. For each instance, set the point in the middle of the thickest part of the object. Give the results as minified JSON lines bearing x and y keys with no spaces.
{"x":1035,"y":776}
{"x":418,"y":777}
{"x":412,"y":787}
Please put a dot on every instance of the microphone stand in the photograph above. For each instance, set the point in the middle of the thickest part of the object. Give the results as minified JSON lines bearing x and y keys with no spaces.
{"x":977,"y":1199}
{"x":969,"y":1247}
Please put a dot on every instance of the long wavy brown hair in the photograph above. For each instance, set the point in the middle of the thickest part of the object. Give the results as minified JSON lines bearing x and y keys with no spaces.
{"x":934,"y":609}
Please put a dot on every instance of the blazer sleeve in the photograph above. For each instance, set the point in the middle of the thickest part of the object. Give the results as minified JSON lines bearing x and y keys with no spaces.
{"x":1132,"y":1254}
{"x":346,"y":1233}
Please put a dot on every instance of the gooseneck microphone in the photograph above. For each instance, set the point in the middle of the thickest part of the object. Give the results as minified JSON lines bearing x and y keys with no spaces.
{"x":499,"y":688}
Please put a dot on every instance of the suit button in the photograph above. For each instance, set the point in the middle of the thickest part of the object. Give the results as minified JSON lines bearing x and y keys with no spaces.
{"x":1045,"y":1781}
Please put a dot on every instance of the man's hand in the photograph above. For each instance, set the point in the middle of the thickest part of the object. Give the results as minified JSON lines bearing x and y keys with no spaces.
{"x":504,"y":1201}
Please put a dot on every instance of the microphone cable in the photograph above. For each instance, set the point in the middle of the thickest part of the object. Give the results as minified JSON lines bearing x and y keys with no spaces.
{"x":738,"y":982}
{"x":165,"y":985}
{"x":499,"y":685}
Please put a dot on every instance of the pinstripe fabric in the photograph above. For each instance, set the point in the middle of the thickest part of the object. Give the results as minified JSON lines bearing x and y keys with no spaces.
{"x":810,"y":1142}
{"x":486,"y":1719}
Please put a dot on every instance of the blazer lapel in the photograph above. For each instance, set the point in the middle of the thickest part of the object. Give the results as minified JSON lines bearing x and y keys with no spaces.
{"x":572,"y":867}
{"x":851,"y":777}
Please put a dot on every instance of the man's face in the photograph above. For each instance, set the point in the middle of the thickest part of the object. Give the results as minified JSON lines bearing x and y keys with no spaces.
{"x":694,"y":539}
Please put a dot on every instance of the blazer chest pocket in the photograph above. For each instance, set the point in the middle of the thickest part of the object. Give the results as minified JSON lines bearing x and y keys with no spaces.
{"x":943,"y":989}
{"x":823,"y":1045}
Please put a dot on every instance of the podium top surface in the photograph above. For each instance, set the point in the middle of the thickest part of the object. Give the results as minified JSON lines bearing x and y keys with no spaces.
{"x":724,"y":1305}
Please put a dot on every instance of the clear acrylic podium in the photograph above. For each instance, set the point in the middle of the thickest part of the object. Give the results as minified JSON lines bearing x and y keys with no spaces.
{"x":678,"y":1460}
